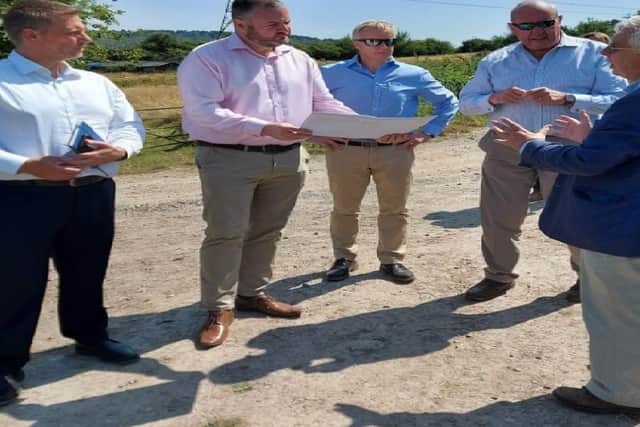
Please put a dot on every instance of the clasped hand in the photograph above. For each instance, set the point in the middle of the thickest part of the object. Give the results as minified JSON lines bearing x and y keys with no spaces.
{"x":62,"y":168}
{"x":539,"y":95}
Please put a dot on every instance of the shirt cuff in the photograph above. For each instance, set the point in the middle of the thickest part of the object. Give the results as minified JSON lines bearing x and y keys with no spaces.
{"x":432,"y":130}
{"x":583,"y":102}
{"x":254,"y":126}
{"x":10,"y":163}
{"x":523,"y":146}
{"x":486,"y":105}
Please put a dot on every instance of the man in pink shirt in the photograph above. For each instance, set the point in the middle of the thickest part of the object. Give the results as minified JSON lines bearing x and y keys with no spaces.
{"x":245,"y":98}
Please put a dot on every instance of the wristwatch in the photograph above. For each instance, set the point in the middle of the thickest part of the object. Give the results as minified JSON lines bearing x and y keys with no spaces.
{"x":569,"y":100}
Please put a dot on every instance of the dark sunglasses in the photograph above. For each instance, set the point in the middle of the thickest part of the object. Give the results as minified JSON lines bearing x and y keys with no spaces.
{"x":528,"y":26}
{"x":377,"y":42}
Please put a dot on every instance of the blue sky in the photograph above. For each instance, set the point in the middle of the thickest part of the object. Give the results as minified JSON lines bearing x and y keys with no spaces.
{"x":452,"y":20}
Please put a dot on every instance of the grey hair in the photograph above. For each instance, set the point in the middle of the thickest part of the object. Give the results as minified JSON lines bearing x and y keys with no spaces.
{"x":539,"y":3}
{"x":242,"y":9}
{"x":377,"y":24}
{"x":632,"y":26}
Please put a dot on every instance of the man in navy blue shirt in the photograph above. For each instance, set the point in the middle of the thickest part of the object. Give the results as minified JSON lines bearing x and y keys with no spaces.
{"x":375,"y":84}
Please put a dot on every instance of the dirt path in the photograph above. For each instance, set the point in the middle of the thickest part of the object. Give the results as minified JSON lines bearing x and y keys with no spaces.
{"x":366,"y":352}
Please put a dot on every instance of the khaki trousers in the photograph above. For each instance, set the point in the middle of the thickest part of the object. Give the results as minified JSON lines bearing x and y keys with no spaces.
{"x":610,"y":293}
{"x":350,"y":169}
{"x":504,"y":201}
{"x":247,"y":199}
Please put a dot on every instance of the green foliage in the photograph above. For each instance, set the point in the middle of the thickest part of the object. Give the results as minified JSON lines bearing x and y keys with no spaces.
{"x":162,"y":46}
{"x":479,"y":45}
{"x":97,"y":16}
{"x":452,"y":71}
{"x":592,"y":25}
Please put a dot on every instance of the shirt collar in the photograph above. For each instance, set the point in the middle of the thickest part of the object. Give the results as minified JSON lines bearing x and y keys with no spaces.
{"x":355,"y":61}
{"x":236,"y":43}
{"x":26,"y":66}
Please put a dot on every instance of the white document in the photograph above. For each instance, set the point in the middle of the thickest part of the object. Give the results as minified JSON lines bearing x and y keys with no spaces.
{"x":360,"y":127}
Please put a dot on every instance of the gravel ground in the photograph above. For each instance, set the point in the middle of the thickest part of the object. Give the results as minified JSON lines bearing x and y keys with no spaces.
{"x":366,"y":352}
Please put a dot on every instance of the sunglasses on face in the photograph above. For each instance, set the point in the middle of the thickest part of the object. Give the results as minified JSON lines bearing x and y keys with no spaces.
{"x":528,"y":26}
{"x":377,"y":42}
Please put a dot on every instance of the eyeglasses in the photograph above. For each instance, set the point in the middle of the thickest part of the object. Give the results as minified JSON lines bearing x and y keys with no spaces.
{"x":528,"y":26}
{"x":377,"y":42}
{"x":611,"y":47}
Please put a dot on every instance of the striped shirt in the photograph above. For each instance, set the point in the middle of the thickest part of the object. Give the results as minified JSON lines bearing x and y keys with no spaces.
{"x":575,"y":66}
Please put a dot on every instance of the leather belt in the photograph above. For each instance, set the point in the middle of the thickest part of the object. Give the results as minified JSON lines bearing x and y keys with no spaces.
{"x":76,"y":182}
{"x":366,"y":143}
{"x":269,"y":148}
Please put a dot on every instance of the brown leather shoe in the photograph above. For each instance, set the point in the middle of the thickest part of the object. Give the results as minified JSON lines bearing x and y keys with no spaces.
{"x":266,"y":304}
{"x":487,"y":289}
{"x":215,"y":329}
{"x":581,"y":399}
{"x":573,"y":294}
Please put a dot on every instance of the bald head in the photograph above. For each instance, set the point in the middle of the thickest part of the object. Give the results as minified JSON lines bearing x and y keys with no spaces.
{"x":525,"y":7}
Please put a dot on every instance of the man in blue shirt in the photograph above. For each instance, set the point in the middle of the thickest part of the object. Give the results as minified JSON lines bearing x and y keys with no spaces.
{"x":544,"y":75}
{"x":594,"y":206}
{"x":56,"y":201}
{"x":374,"y":83}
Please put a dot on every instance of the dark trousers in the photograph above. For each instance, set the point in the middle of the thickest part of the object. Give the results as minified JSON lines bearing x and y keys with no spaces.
{"x":73,"y":226}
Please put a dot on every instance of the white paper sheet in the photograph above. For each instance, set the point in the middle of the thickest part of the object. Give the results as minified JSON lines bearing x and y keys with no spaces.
{"x":359,"y":127}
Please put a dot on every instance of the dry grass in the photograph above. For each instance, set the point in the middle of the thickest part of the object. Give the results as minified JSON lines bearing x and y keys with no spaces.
{"x":150,"y":91}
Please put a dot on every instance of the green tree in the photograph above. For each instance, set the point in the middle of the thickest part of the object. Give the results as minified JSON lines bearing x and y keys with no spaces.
{"x":163,"y":46}
{"x":97,"y":16}
{"x":592,"y":25}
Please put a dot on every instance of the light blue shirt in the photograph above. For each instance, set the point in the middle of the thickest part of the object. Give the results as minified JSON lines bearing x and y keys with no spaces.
{"x":38,"y":114}
{"x":394,"y":90}
{"x":575,"y":66}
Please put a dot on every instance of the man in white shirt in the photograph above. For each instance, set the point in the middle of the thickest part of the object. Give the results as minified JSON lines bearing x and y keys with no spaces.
{"x":57,"y":201}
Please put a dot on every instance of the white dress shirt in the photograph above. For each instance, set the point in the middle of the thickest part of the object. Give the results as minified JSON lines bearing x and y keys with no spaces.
{"x":39,"y":112}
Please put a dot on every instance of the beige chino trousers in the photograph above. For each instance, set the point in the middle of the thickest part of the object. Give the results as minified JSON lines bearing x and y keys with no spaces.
{"x":504,"y":201}
{"x":610,"y":292}
{"x":247,"y":199}
{"x":350,"y":169}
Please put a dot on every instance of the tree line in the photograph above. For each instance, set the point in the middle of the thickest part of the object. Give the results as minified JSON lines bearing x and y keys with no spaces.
{"x":123,"y":46}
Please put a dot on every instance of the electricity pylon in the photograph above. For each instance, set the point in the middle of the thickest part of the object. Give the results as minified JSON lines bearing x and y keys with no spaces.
{"x":226,"y":20}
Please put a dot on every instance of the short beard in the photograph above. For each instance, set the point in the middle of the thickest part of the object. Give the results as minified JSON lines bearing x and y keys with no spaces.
{"x":253,"y":36}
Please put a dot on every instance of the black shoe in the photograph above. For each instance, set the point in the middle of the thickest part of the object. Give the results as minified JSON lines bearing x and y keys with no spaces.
{"x":110,"y":351}
{"x":487,"y":289}
{"x":573,"y":294}
{"x":340,"y":269}
{"x":8,"y":391}
{"x":581,"y":399}
{"x":397,"y":272}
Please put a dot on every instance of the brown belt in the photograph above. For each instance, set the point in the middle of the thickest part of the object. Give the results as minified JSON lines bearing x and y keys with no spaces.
{"x":76,"y":182}
{"x":269,"y":148}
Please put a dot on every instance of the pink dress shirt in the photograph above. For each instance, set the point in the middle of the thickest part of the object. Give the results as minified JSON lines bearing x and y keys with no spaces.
{"x":230,"y":92}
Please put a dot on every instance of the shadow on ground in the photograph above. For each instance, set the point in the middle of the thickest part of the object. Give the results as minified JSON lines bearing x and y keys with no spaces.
{"x":372,"y":337}
{"x":537,"y":411}
{"x":173,"y":397}
{"x":467,"y":218}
